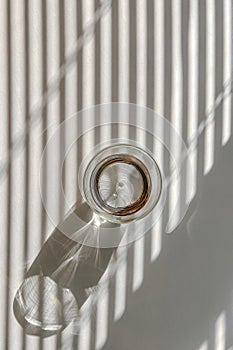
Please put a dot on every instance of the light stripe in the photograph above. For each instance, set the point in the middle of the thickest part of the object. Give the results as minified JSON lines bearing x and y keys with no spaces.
{"x":102,"y":318}
{"x":156,"y":239}
{"x":32,"y":343}
{"x":159,"y":57}
{"x":121,"y":283}
{"x":156,"y":231}
{"x":176,"y":102}
{"x":50,"y":342}
{"x":35,"y":139}
{"x":52,"y":47}
{"x":123,"y":59}
{"x":121,"y":272}
{"x":3,"y":154}
{"x":53,"y":107}
{"x":88,"y":71}
{"x":88,"y":56}
{"x":105,"y":70}
{"x":210,"y":85}
{"x":227,"y":69}
{"x":192,"y":99}
{"x":71,"y":93}
{"x":141,"y":53}
{"x":176,"y":109}
{"x":106,"y":56}
{"x":220,"y":332}
{"x":138,"y":265}
{"x":141,"y":19}
{"x":85,"y":335}
{"x":123,"y":15}
{"x":18,"y":166}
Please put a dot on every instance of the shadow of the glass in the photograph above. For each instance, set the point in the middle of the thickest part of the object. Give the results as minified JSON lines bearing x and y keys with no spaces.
{"x":59,"y":281}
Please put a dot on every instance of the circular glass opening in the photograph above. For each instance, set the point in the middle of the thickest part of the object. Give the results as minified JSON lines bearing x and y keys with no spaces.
{"x":122,"y":183}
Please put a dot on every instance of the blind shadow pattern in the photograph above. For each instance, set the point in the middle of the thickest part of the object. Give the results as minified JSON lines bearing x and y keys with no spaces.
{"x":59,"y":57}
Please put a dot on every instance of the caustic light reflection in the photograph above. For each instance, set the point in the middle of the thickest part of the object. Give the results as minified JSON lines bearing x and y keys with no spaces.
{"x":43,"y":307}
